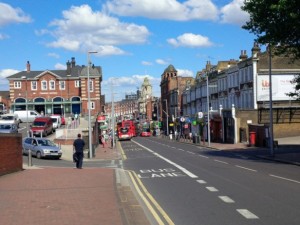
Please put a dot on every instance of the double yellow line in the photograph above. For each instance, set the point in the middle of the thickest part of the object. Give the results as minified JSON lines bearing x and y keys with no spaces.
{"x":157,"y":212}
{"x":155,"y":209}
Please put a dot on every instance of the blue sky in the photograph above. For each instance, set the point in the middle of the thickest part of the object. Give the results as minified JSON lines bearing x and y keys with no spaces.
{"x":133,"y":38}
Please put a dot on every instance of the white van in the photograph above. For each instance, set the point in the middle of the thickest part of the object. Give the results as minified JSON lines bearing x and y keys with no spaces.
{"x":56,"y":121}
{"x":24,"y":115}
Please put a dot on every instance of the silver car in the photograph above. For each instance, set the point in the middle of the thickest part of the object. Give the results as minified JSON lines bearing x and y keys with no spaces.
{"x":41,"y":148}
{"x":8,"y":128}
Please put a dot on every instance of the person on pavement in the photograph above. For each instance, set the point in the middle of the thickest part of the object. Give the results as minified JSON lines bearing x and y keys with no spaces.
{"x":78,"y":145}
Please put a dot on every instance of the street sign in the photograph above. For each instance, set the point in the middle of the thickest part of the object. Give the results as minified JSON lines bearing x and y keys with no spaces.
{"x":200,"y":115}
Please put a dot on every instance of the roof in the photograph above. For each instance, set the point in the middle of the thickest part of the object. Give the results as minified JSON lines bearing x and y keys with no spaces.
{"x":75,"y":72}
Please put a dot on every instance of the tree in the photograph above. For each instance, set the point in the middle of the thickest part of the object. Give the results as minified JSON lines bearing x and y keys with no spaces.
{"x":276,"y":23}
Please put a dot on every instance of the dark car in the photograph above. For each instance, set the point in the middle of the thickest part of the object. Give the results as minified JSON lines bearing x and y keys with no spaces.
{"x":41,"y":148}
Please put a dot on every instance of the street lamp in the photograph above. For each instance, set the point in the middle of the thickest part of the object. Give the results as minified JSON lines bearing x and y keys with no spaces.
{"x":208,"y":125}
{"x":271,"y":104}
{"x":167,"y":114}
{"x":26,"y":96}
{"x":89,"y":102}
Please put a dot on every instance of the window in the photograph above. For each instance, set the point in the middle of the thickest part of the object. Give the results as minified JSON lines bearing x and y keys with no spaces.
{"x":33,"y":85}
{"x":44,"y":85}
{"x":92,"y":105}
{"x":17,"y":84}
{"x":52,"y":85}
{"x":62,"y":85}
{"x":91,"y":86}
{"x":77,"y":83}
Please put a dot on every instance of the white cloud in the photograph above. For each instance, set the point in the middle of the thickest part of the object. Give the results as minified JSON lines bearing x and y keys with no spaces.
{"x":164,"y":9}
{"x":10,"y":15}
{"x":190,"y":40}
{"x":3,"y":36}
{"x":4,"y":84}
{"x":127,"y":84}
{"x":185,"y":73}
{"x":82,"y":29}
{"x":54,"y":55}
{"x":7,"y":72}
{"x":161,"y":61}
{"x":232,"y":13}
{"x":145,"y":63}
{"x":60,"y":66}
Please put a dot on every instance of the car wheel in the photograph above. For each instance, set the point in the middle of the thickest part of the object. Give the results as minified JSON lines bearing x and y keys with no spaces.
{"x":38,"y":155}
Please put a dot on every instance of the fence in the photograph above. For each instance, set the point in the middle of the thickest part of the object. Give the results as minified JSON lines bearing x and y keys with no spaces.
{"x":70,"y":133}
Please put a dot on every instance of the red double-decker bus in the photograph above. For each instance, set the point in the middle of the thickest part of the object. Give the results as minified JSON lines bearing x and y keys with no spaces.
{"x":129,"y":125}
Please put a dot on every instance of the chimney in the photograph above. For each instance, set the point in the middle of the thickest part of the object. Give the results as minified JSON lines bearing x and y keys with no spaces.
{"x":28,"y":67}
{"x":73,"y":62}
{"x":68,"y":67}
{"x":243,"y":55}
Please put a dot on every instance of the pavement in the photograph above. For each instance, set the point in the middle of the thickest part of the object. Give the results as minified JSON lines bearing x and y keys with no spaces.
{"x":93,"y":196}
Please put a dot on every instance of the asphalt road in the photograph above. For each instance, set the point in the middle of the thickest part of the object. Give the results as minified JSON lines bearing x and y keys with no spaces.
{"x":194,"y":185}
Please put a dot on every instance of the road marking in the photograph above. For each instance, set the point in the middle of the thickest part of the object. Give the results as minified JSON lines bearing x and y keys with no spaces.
{"x":247,"y":214}
{"x":203,"y":156}
{"x":201,"y":181}
{"x":283,"y":178}
{"x":155,"y":215}
{"x":180,"y":149}
{"x":226,"y":199}
{"x":212,"y":189}
{"x":246,"y":168}
{"x":190,"y":174}
{"x":191,"y":152}
{"x":220,"y":161}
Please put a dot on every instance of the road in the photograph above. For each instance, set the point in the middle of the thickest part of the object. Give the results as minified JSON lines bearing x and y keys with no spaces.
{"x":187,"y":184}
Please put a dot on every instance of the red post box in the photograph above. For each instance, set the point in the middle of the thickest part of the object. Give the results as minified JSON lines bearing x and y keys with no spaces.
{"x":252,"y":138}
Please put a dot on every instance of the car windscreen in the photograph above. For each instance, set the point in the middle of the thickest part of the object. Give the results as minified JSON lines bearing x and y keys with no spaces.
{"x":7,"y":118}
{"x":38,"y":124}
{"x":5,"y":126}
{"x":45,"y":142}
{"x":54,"y":120}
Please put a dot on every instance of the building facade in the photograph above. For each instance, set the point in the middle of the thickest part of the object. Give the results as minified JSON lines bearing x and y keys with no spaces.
{"x":57,"y":91}
{"x":236,"y":95}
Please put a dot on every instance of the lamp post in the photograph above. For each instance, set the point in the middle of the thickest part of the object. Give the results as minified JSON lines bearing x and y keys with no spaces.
{"x":271,"y":104}
{"x":89,"y":102}
{"x":167,"y":114}
{"x":26,"y":96}
{"x":208,"y":124}
{"x":112,"y":115}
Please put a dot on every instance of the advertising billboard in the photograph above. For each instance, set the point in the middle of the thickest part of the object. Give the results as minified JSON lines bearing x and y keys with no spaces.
{"x":281,"y":85}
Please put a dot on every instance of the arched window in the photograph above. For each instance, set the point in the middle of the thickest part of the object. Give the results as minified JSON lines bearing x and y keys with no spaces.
{"x":58,"y":99}
{"x":20,"y":100}
{"x":39,"y":100}
{"x":75,"y":99}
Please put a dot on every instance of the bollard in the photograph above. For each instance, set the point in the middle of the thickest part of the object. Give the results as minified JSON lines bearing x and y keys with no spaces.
{"x":29,"y":158}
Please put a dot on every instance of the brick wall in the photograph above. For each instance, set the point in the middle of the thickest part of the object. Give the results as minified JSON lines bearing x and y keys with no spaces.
{"x":11,"y":159}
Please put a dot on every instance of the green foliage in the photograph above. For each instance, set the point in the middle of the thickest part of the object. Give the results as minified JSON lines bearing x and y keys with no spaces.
{"x":275,"y":22}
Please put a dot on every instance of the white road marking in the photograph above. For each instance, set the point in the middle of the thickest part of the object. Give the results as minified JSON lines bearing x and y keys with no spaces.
{"x":212,"y":189}
{"x":283,"y":178}
{"x":203,"y":156}
{"x":190,"y":174}
{"x":180,"y":149}
{"x":220,"y":161}
{"x":226,"y":199}
{"x":247,"y":214}
{"x":201,"y":181}
{"x":191,"y":152}
{"x":246,"y":168}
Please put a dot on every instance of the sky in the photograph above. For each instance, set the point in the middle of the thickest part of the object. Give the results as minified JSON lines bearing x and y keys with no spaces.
{"x":134,"y":38}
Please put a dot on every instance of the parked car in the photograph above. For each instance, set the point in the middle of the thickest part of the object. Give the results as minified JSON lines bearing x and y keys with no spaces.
{"x":42,"y":126}
{"x":27,"y":116}
{"x":41,"y":148}
{"x":56,"y":120}
{"x":8,"y":128}
{"x":9,"y":119}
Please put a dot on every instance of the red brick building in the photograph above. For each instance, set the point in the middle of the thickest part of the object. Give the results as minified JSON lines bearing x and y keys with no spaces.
{"x":57,"y":91}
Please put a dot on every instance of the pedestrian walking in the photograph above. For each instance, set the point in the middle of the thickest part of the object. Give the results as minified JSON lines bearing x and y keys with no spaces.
{"x":78,"y":145}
